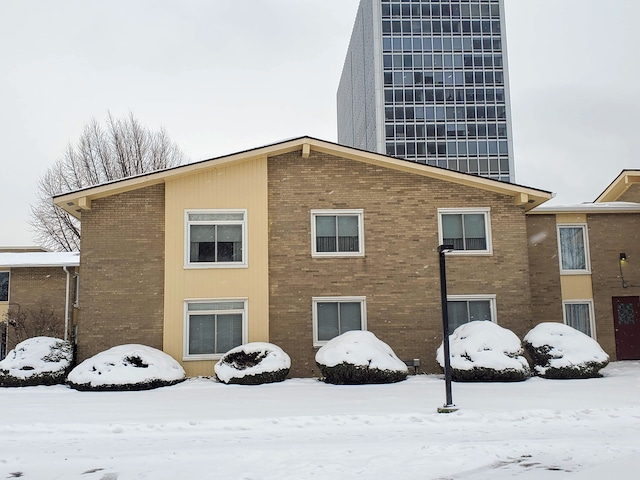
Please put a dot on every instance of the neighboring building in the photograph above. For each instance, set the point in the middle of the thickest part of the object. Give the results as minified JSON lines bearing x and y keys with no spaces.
{"x":37,"y":292}
{"x":595,"y":285}
{"x":295,"y":243}
{"x":428,"y":81}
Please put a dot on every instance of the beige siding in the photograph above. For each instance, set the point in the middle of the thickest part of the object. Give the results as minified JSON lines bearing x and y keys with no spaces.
{"x":238,"y":186}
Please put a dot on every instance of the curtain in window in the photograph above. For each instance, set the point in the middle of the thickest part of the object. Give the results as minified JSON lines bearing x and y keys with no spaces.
{"x":572,"y":248}
{"x":577,"y":316}
{"x":465,"y":311}
{"x":335,"y":318}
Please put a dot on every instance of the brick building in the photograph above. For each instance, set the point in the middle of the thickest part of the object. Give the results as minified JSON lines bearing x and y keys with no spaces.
{"x":297,"y":242}
{"x":37,"y":294}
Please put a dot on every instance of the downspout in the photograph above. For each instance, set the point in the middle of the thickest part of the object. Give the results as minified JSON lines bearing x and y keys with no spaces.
{"x":66,"y":305}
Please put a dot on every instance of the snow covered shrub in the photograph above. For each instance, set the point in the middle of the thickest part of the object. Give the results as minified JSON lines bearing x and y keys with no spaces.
{"x":253,"y":364}
{"x":359,"y":357}
{"x":126,"y":367}
{"x":482,"y":351}
{"x":37,"y":361}
{"x":560,"y":351}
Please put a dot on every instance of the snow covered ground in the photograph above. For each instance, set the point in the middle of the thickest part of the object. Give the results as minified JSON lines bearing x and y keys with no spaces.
{"x":303,"y":429}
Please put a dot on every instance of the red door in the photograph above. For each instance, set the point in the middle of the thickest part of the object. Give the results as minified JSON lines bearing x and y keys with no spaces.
{"x":626,"y":319}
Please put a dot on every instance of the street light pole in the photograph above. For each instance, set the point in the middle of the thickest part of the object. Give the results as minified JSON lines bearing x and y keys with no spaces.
{"x":449,"y":405}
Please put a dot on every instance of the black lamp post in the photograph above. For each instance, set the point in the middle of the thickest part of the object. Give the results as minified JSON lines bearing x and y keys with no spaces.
{"x":449,"y":405}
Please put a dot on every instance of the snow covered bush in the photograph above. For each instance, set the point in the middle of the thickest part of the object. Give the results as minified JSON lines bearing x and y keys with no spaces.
{"x":359,"y":357}
{"x":482,"y":351}
{"x":560,"y":351}
{"x":253,"y":364}
{"x":126,"y":367}
{"x":36,"y":361}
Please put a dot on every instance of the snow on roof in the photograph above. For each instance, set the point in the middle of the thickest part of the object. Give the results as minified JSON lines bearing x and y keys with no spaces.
{"x":600,"y":207}
{"x":39,"y":259}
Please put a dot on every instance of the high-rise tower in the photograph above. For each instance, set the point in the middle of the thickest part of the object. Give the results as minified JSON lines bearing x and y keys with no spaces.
{"x":427,"y":81}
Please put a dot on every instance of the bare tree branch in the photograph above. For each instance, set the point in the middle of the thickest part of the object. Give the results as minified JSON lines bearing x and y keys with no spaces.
{"x":121,"y":149}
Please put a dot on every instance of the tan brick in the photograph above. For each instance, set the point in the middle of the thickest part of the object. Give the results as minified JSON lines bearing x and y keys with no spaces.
{"x":399,"y":274}
{"x":122,"y":271}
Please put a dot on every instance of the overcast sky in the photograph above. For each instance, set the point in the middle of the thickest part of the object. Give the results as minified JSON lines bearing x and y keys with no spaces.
{"x":225,"y":76}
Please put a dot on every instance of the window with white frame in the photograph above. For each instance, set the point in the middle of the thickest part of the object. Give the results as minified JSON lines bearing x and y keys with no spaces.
{"x":463,"y":309}
{"x":337,"y":233}
{"x":332,"y":316}
{"x":216,"y":238}
{"x":4,"y":286}
{"x":574,"y":248}
{"x":579,"y":315}
{"x":468,"y":230}
{"x":213,"y":327}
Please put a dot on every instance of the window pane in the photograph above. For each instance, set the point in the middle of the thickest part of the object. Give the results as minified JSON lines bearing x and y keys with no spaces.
{"x":326,"y":234}
{"x":327,"y":314}
{"x":229,"y":243}
{"x":348,"y":233}
{"x":201,"y":334}
{"x":4,"y":286}
{"x":474,"y":232}
{"x":572,"y":248}
{"x":202,"y":247}
{"x":229,"y":332}
{"x":350,"y":316}
{"x":577,"y":316}
{"x":215,"y":217}
{"x":458,"y":315}
{"x":215,"y":306}
{"x":452,"y":231}
{"x":479,"y":310}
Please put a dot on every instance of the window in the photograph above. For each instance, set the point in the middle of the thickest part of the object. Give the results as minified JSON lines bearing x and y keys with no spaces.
{"x":4,"y":286}
{"x":216,"y":238}
{"x":213,"y":327}
{"x":573,"y":247}
{"x":579,"y":315}
{"x":337,"y":233}
{"x":468,"y":231}
{"x":470,"y":308}
{"x":76,"y":290}
{"x":332,"y":316}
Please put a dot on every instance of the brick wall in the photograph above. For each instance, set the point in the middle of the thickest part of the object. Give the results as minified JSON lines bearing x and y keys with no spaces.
{"x":610,"y":235}
{"x":399,"y":274}
{"x":39,"y":291}
{"x":122,"y":271}
{"x":546,"y":293}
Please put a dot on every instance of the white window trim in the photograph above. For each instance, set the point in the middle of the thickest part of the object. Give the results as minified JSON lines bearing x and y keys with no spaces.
{"x":486,"y":211}
{"x":316,"y":300}
{"x":213,"y":356}
{"x":187,"y":243}
{"x":2,"y":302}
{"x":491,"y":297}
{"x":592,"y":317}
{"x":585,"y":235}
{"x":357,"y":212}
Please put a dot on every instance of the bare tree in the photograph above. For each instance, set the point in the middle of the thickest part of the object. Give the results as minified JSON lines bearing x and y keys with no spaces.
{"x":122,"y":148}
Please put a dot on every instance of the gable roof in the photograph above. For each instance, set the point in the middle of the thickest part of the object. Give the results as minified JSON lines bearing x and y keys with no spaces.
{"x":620,"y":185}
{"x":77,"y":201}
